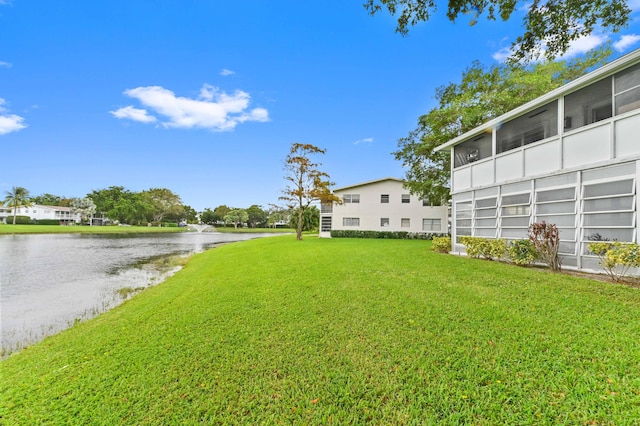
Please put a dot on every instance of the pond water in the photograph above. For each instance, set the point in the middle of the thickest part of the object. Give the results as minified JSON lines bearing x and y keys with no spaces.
{"x":49,"y":281}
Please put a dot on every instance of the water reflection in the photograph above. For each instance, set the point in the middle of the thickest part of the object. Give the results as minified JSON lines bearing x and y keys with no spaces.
{"x":48,"y":281}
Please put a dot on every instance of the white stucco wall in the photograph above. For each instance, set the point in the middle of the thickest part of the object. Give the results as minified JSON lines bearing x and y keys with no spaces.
{"x":370,"y":210}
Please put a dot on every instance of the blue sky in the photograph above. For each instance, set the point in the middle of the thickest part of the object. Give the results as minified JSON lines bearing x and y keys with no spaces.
{"x":205,"y":97}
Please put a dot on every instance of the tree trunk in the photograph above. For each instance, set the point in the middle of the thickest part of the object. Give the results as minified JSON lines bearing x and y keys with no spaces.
{"x":299,"y":230}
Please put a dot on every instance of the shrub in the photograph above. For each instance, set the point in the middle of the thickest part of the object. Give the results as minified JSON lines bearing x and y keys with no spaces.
{"x":488,"y":248}
{"x":522,"y":252}
{"x":47,"y":222}
{"x":545,"y":237}
{"x":396,"y":235}
{"x":441,"y":244}
{"x":616,"y":258}
{"x":20,"y":220}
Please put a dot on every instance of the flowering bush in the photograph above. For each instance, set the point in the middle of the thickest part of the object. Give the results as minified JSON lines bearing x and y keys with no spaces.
{"x":616,"y":258}
{"x":441,"y":244}
{"x":485,"y":247}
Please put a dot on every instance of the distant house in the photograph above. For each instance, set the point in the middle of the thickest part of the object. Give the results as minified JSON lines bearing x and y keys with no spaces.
{"x":569,"y":158}
{"x":381,"y":205}
{"x":38,"y":212}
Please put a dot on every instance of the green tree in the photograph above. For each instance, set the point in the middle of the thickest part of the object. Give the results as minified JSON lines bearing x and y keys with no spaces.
{"x":237,"y":217}
{"x":219,"y":213}
{"x":257,"y":216}
{"x":164,"y":203}
{"x":106,"y":199}
{"x":134,"y":209}
{"x":121,"y":205}
{"x":310,"y":219}
{"x":47,"y":199}
{"x":190,"y":214}
{"x":483,"y":94}
{"x":83,"y":206}
{"x":16,"y":198}
{"x":276,"y":216}
{"x":306,"y":183}
{"x":549,"y":25}
{"x":207,"y":216}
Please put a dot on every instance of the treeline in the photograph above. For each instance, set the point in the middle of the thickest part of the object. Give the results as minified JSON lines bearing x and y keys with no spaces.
{"x":162,"y":206}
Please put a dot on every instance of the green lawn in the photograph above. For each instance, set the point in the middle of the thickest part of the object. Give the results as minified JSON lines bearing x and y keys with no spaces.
{"x":58,"y":229}
{"x":231,"y":229}
{"x":341,"y":331}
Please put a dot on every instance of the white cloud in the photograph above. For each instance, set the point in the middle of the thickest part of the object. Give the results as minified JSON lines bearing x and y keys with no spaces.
{"x":626,"y":41}
{"x":225,"y":72}
{"x":5,"y":64}
{"x":134,"y":114}
{"x":502,"y":54}
{"x":9,"y":122}
{"x":207,"y":92}
{"x":213,"y":109}
{"x":576,"y":48}
{"x":365,"y":140}
{"x":584,"y":44}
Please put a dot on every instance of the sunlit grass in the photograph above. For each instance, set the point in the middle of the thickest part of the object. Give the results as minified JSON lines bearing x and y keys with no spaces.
{"x":254,"y":230}
{"x":341,"y":332}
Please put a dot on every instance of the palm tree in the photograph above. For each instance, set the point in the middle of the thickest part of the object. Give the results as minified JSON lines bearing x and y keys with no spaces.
{"x":17,"y":197}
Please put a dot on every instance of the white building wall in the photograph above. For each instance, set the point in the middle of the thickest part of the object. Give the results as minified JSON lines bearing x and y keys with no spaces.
{"x":583,"y":179}
{"x":374,"y":215}
{"x":38,"y":212}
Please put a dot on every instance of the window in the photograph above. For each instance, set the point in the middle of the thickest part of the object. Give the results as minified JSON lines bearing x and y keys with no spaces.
{"x":558,"y":206}
{"x":384,"y":222}
{"x":351,"y":198}
{"x":431,"y":225}
{"x":350,"y":221}
{"x":325,"y":224}
{"x":405,"y":222}
{"x":514,"y":214}
{"x":384,"y":198}
{"x":485,"y":216}
{"x":588,"y":105}
{"x":426,"y":202}
{"x":326,"y":208}
{"x":627,"y":85}
{"x":536,"y":125}
{"x":472,"y":150}
{"x":406,"y":198}
{"x":463,"y":218}
{"x":608,"y":210}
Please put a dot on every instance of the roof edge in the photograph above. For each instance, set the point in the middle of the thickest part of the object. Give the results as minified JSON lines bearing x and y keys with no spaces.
{"x":600,"y":73}
{"x":368,"y":183}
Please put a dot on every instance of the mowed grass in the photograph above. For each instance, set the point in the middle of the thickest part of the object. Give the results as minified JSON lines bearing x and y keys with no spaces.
{"x":341,"y":331}
{"x":232,"y":230}
{"x":58,"y":229}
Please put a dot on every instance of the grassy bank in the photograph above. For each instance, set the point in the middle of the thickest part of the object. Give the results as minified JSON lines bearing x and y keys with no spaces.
{"x":254,"y":230}
{"x":341,"y":331}
{"x":58,"y":229}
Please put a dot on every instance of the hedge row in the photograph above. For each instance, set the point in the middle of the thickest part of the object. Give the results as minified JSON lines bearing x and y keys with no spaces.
{"x":20,"y":220}
{"x":399,"y":235}
{"x":26,"y":220}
